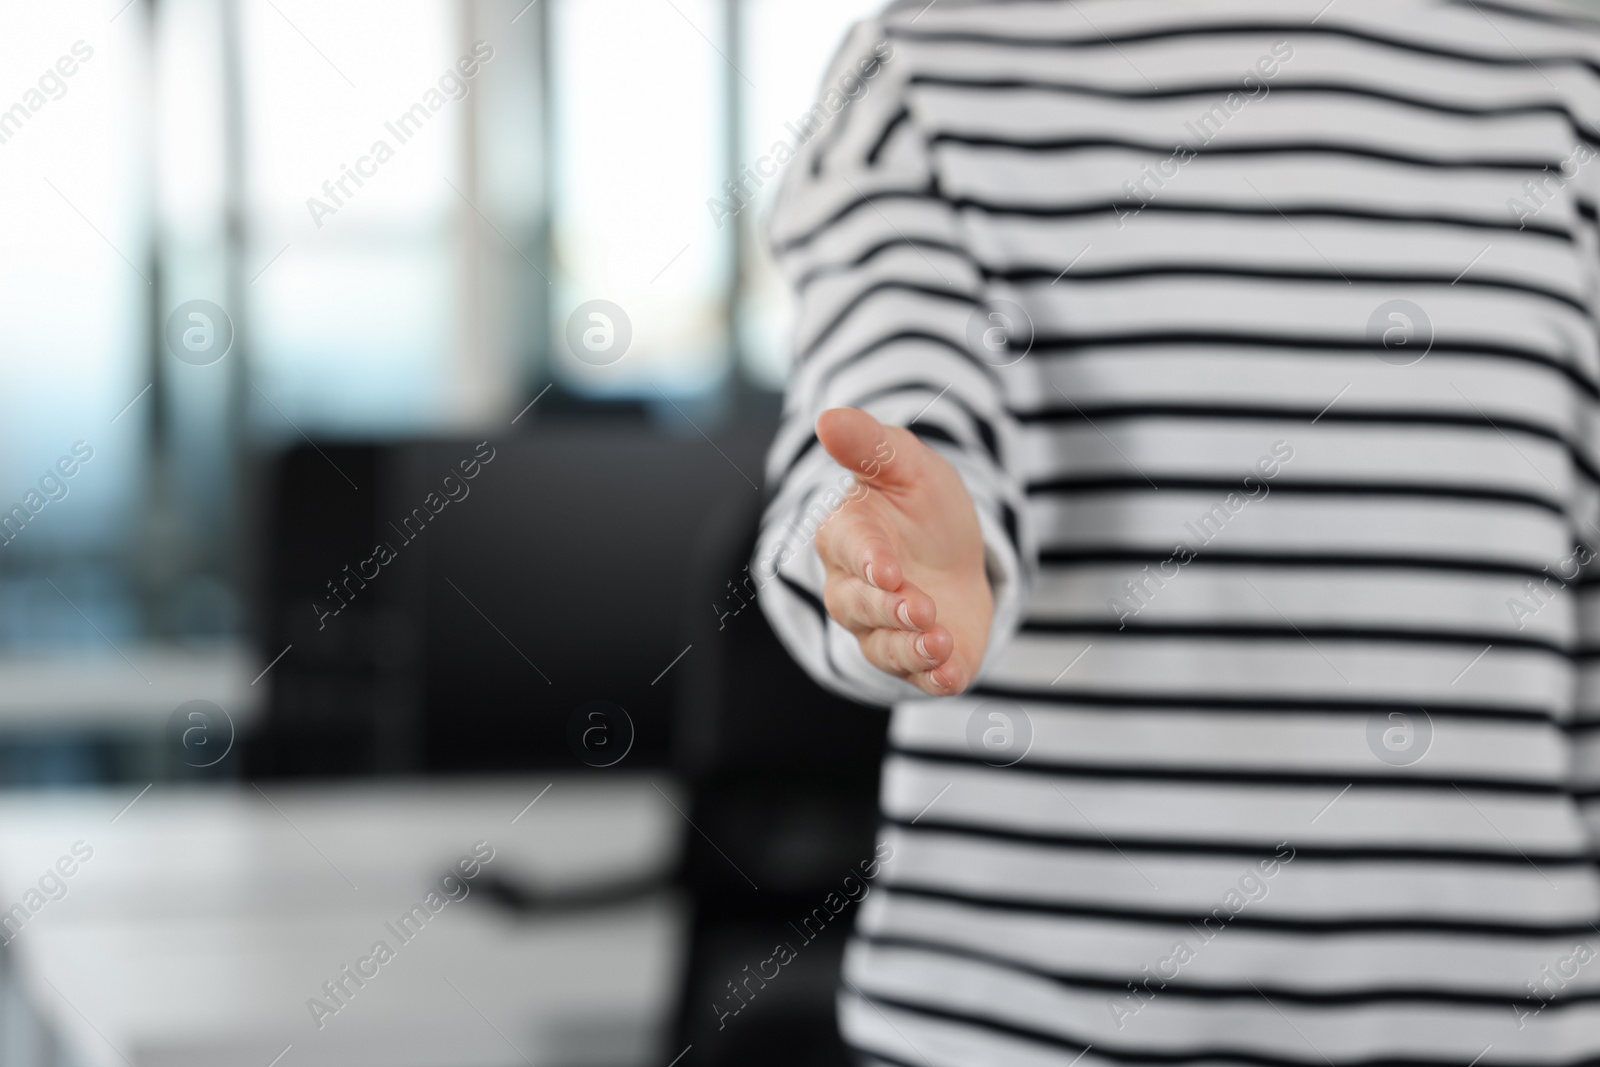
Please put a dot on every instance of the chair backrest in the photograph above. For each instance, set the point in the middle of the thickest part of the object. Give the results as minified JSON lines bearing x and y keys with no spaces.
{"x":499,"y":604}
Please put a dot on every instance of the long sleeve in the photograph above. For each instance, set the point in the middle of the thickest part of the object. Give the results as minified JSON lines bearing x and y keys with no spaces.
{"x":887,"y":292}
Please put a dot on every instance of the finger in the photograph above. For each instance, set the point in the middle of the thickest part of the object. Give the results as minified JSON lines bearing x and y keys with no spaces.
{"x":853,"y":541}
{"x":883,"y":455}
{"x":905,"y":652}
{"x":859,"y":607}
{"x":949,"y":678}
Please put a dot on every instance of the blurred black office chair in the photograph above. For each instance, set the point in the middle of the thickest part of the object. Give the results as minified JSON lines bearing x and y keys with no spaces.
{"x":783,"y":780}
{"x":554,"y":579}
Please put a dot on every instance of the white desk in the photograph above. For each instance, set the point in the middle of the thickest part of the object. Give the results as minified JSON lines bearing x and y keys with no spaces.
{"x":101,"y":691}
{"x":207,"y":917}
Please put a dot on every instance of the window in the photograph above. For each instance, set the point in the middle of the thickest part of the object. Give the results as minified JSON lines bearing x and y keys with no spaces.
{"x":399,"y":244}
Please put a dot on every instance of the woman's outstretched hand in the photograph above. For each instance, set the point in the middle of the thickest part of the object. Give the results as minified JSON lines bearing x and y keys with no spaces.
{"x":904,"y":561}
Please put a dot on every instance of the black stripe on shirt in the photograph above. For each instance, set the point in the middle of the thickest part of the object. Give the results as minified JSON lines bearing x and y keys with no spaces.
{"x":1217,"y":90}
{"x":1281,"y":148}
{"x":1497,"y":220}
{"x":1255,"y":704}
{"x":1062,"y":556}
{"x":1247,"y":777}
{"x":1254,"y":920}
{"x":1073,"y":344}
{"x":1216,"y":630}
{"x":1077,"y":485}
{"x":1366,"y":854}
{"x":1190,"y":989}
{"x":1198,"y":31}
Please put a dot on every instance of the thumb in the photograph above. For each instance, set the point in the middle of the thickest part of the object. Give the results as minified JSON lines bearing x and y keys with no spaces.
{"x":862,"y":445}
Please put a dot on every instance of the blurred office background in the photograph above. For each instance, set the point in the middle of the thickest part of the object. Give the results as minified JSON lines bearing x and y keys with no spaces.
{"x":383,"y":327}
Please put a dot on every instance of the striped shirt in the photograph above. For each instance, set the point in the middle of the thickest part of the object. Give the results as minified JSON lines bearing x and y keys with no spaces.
{"x":1263,"y":334}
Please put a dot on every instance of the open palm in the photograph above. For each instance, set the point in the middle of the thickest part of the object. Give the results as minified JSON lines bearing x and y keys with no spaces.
{"x":904,"y":561}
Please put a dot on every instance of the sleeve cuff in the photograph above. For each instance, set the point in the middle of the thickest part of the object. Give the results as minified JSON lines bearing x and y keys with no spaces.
{"x":1008,"y":577}
{"x":1007,"y":583}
